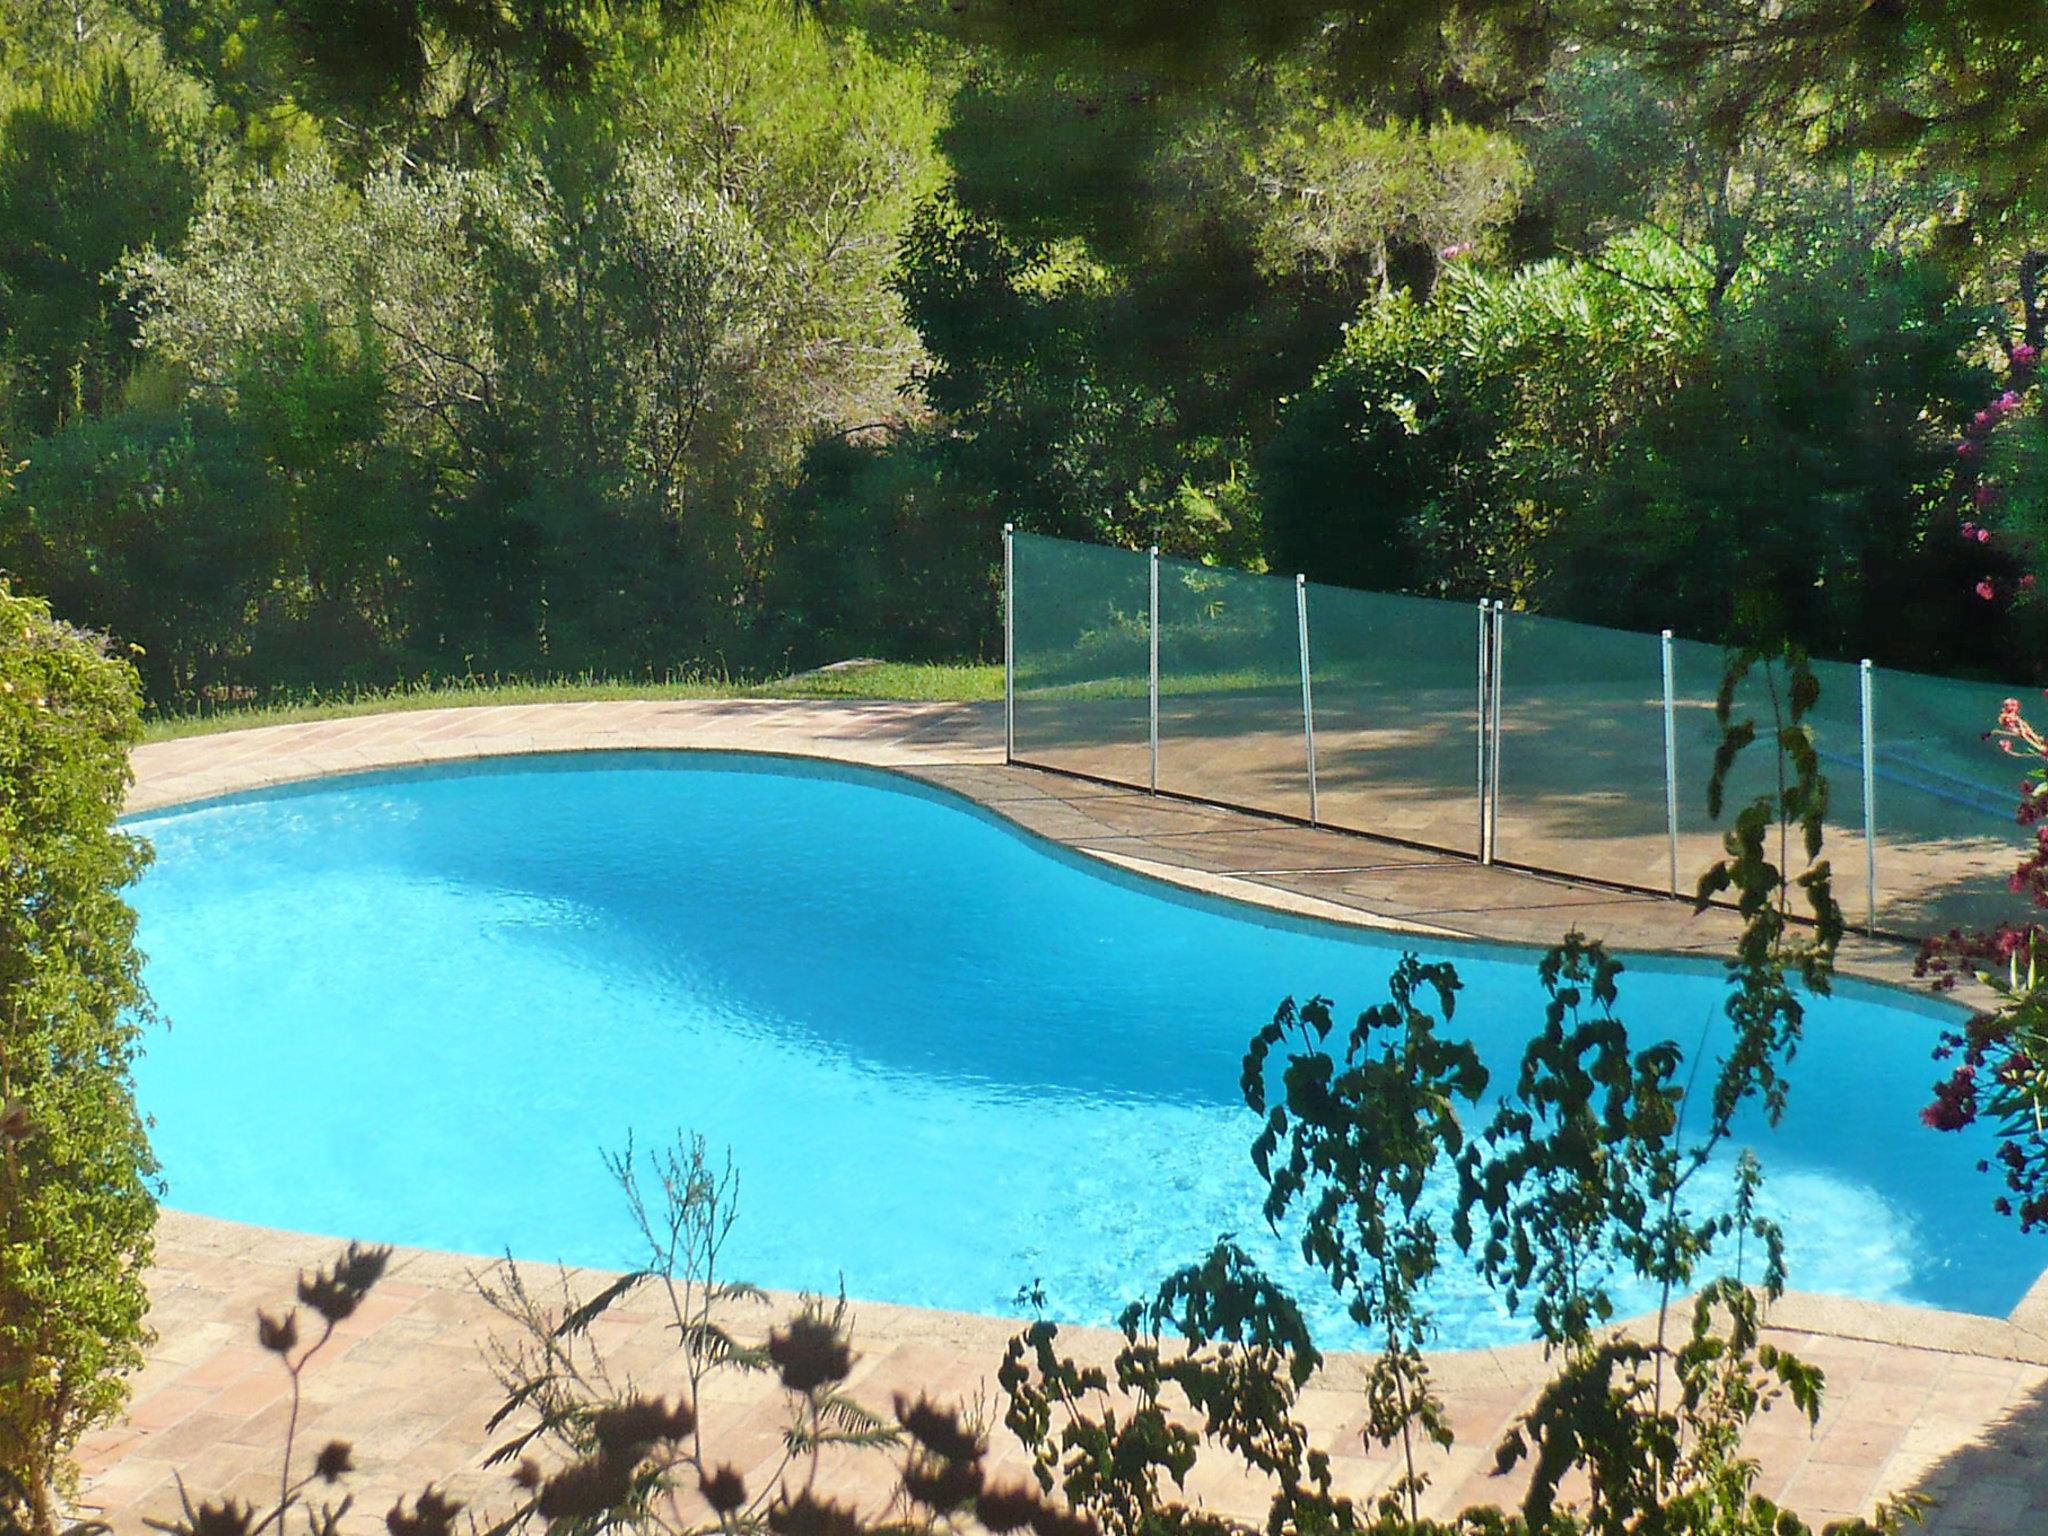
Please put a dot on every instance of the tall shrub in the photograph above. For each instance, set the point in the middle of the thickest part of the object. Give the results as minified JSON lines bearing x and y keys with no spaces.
{"x":77,"y":1198}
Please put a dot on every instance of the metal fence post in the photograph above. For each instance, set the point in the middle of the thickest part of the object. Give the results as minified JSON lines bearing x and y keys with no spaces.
{"x":1869,"y":793}
{"x":1493,"y":782}
{"x":1154,"y":710}
{"x":1485,"y":696}
{"x":1670,"y":762}
{"x":1308,"y":697}
{"x":1009,"y":643}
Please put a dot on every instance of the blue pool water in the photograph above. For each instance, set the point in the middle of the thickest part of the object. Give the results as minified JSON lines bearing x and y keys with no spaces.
{"x":948,"y":1059}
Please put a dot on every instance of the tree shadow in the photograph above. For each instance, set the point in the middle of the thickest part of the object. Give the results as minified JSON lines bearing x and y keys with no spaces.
{"x":1992,"y":1480}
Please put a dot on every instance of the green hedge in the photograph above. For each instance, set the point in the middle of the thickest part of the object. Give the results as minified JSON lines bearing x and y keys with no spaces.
{"x":77,"y":1181}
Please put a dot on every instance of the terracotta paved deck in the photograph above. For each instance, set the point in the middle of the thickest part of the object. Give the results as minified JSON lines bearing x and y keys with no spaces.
{"x":1954,"y":1406}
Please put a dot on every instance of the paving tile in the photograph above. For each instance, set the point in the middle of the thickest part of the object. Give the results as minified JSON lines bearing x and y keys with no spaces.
{"x":227,"y":1366}
{"x":160,"y":1410}
{"x":128,"y":1481}
{"x":251,"y":1394}
{"x":194,"y":1432}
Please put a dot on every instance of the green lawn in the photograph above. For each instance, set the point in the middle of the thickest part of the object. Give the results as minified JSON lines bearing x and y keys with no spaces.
{"x":921,"y":681}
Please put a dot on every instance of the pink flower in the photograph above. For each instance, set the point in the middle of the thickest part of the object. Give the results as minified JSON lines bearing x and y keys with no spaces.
{"x":2009,"y":401}
{"x":1983,"y":420}
{"x":1955,"y":1102}
{"x":2024,"y":354}
{"x":1985,"y":590}
{"x":2027,"y":582}
{"x":1969,"y":530}
{"x":1966,"y":449}
{"x":1453,"y":252}
{"x":1983,"y":535}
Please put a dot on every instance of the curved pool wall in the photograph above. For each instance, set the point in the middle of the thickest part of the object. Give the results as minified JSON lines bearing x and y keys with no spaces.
{"x":950,"y":1059}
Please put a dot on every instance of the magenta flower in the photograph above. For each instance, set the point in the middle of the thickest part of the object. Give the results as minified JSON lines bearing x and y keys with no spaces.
{"x":1983,"y":420}
{"x":1985,"y":590}
{"x":1966,"y":449}
{"x":2009,"y":401}
{"x":2024,"y":354}
{"x":1955,"y":1102}
{"x":1983,"y":535}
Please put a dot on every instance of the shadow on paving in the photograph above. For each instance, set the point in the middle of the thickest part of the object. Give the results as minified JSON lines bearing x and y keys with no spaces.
{"x":1995,"y":1484}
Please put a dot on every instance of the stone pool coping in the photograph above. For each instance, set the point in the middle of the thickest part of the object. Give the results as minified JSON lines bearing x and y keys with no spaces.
{"x":207,"y":1393}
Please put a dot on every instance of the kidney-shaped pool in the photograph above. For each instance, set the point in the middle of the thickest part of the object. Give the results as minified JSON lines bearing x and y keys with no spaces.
{"x":950,"y":1060}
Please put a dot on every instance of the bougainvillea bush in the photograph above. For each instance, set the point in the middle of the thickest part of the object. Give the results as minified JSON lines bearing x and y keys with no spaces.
{"x":1999,"y":1075}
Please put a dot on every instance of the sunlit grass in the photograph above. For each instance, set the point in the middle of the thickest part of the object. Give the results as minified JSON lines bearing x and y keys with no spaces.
{"x":929,"y":681}
{"x":913,"y":681}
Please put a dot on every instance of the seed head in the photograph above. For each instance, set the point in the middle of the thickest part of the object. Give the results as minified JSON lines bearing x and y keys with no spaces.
{"x":336,"y":1292}
{"x":586,"y":1489}
{"x":808,"y":1516}
{"x":279,"y":1335}
{"x":333,"y":1461}
{"x":809,"y":1353}
{"x":942,"y":1486}
{"x":626,"y":1429}
{"x":724,"y":1490}
{"x":433,"y":1514}
{"x":227,"y":1518}
{"x":937,"y":1430}
{"x":1006,"y":1508}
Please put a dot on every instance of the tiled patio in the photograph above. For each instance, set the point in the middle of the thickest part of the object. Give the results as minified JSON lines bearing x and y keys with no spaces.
{"x":1954,"y":1406}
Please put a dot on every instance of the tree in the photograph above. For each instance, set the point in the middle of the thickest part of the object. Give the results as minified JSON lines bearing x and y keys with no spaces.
{"x":1160,"y":218}
{"x":1798,"y":482}
{"x":440,"y":76}
{"x":1954,"y":88}
{"x":87,"y":173}
{"x":1622,"y":437}
{"x":162,"y":523}
{"x":1447,"y":439}
{"x":525,"y":414}
{"x":77,"y":1181}
{"x":868,"y":556}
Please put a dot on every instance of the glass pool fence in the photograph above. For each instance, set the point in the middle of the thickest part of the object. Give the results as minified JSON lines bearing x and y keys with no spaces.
{"x":1507,"y":737}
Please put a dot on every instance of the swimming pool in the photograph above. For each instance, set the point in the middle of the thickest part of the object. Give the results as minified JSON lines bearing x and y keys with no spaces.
{"x":950,"y":1060}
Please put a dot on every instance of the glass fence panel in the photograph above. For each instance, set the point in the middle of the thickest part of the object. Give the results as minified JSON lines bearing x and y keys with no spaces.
{"x":1230,"y":725}
{"x":1081,"y":631}
{"x":1397,"y":721}
{"x":1946,"y":798}
{"x":1582,"y":731}
{"x":1836,"y":724}
{"x":1582,"y":751}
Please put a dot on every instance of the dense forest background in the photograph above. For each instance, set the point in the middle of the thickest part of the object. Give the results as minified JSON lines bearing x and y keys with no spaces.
{"x":351,"y":341}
